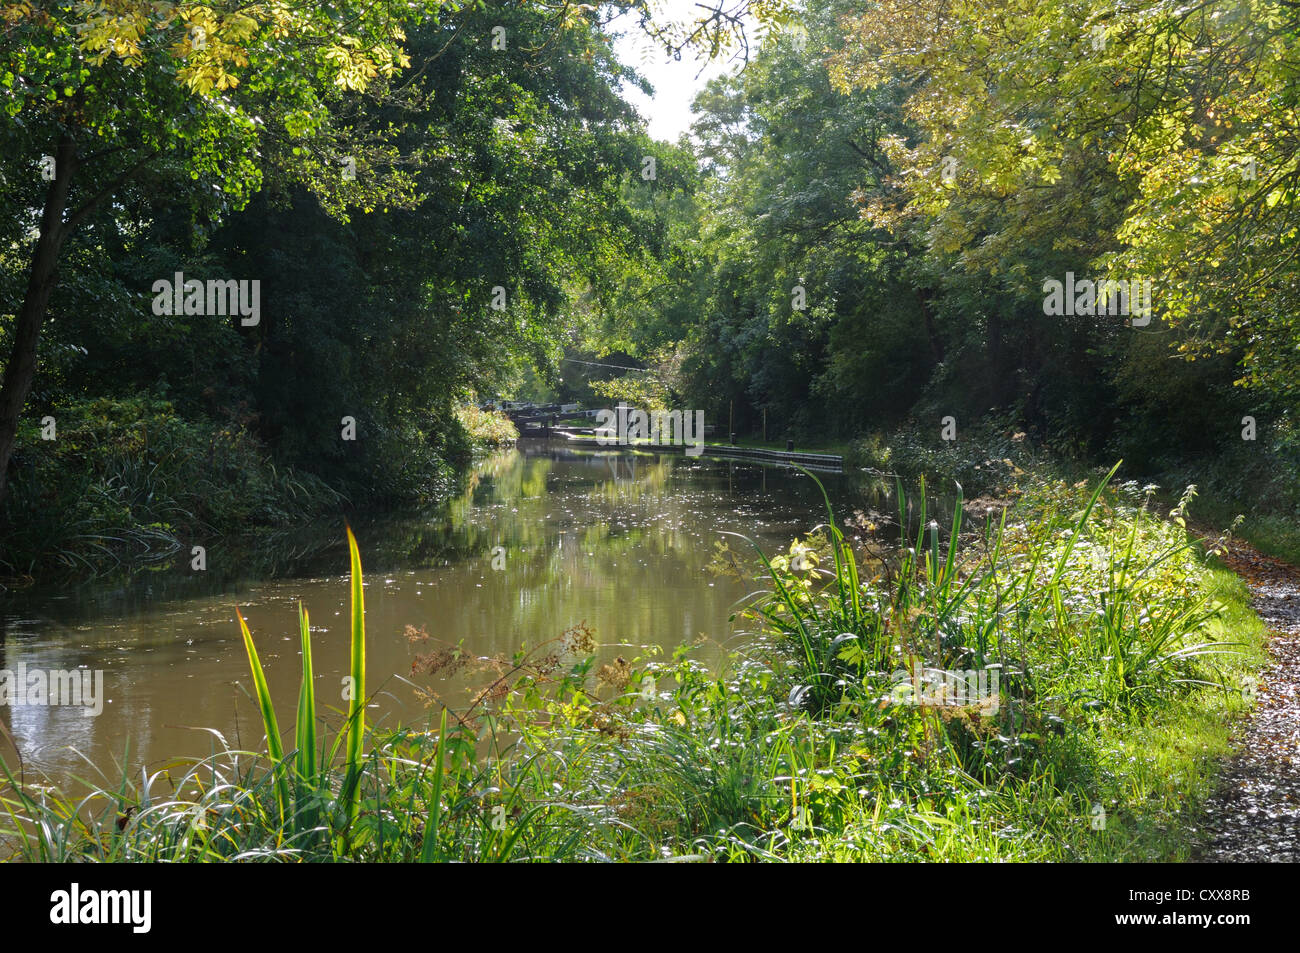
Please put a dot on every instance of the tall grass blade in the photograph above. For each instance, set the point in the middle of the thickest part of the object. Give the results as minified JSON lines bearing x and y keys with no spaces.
{"x":305,"y":733}
{"x":1081,"y":524}
{"x":357,"y":704}
{"x":429,"y":848}
{"x":273,"y":745}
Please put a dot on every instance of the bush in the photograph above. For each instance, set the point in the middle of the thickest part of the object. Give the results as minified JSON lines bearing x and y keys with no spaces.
{"x":988,"y":456}
{"x":129,"y":478}
{"x":487,"y":429}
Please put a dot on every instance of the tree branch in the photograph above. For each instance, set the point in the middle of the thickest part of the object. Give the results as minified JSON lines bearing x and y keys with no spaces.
{"x":77,"y":217}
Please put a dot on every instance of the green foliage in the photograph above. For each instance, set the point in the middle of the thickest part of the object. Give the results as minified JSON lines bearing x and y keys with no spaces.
{"x":1098,"y":613}
{"x":486,"y":428}
{"x":274,"y":745}
{"x":1156,"y":154}
{"x":490,"y":168}
{"x":136,"y":84}
{"x":129,"y":479}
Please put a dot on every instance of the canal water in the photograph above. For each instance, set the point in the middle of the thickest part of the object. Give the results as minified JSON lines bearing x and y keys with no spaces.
{"x":539,"y":539}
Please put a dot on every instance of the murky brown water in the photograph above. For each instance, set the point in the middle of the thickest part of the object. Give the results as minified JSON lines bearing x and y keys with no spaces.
{"x":622,"y":542}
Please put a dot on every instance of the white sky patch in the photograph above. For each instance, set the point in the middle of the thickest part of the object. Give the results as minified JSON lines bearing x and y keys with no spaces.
{"x":676,"y":82}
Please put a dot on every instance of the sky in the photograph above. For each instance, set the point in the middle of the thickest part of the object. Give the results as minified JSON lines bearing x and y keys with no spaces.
{"x":668,"y":113}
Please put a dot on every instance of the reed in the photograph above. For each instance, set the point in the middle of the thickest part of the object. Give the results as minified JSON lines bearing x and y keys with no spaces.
{"x":356,"y":725}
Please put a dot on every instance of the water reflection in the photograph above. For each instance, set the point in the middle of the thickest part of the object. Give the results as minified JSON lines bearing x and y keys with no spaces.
{"x":618,"y":540}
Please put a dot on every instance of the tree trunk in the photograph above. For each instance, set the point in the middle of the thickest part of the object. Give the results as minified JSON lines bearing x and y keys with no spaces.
{"x":1002,"y":381}
{"x":21,"y":368}
{"x":925,"y":297}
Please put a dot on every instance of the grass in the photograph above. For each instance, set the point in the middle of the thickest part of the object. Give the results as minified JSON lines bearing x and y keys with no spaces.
{"x":128,"y":481}
{"x":1273,"y":534}
{"x":1120,"y":651}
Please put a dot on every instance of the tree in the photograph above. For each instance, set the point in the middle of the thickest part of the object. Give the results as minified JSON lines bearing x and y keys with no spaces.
{"x":782,"y":279}
{"x":211,"y":101}
{"x":200,"y":99}
{"x":1155,"y":139}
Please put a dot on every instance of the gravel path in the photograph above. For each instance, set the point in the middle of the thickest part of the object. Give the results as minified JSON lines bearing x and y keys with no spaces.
{"x":1255,"y":814}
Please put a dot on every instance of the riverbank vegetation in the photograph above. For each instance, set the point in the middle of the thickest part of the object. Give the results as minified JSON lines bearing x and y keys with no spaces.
{"x":415,"y":236}
{"x":842,"y":251}
{"x":432,"y":203}
{"x":1121,"y":653}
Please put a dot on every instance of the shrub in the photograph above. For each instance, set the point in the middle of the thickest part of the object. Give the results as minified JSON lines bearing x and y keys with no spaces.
{"x":486,"y":428}
{"x":129,"y":479}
